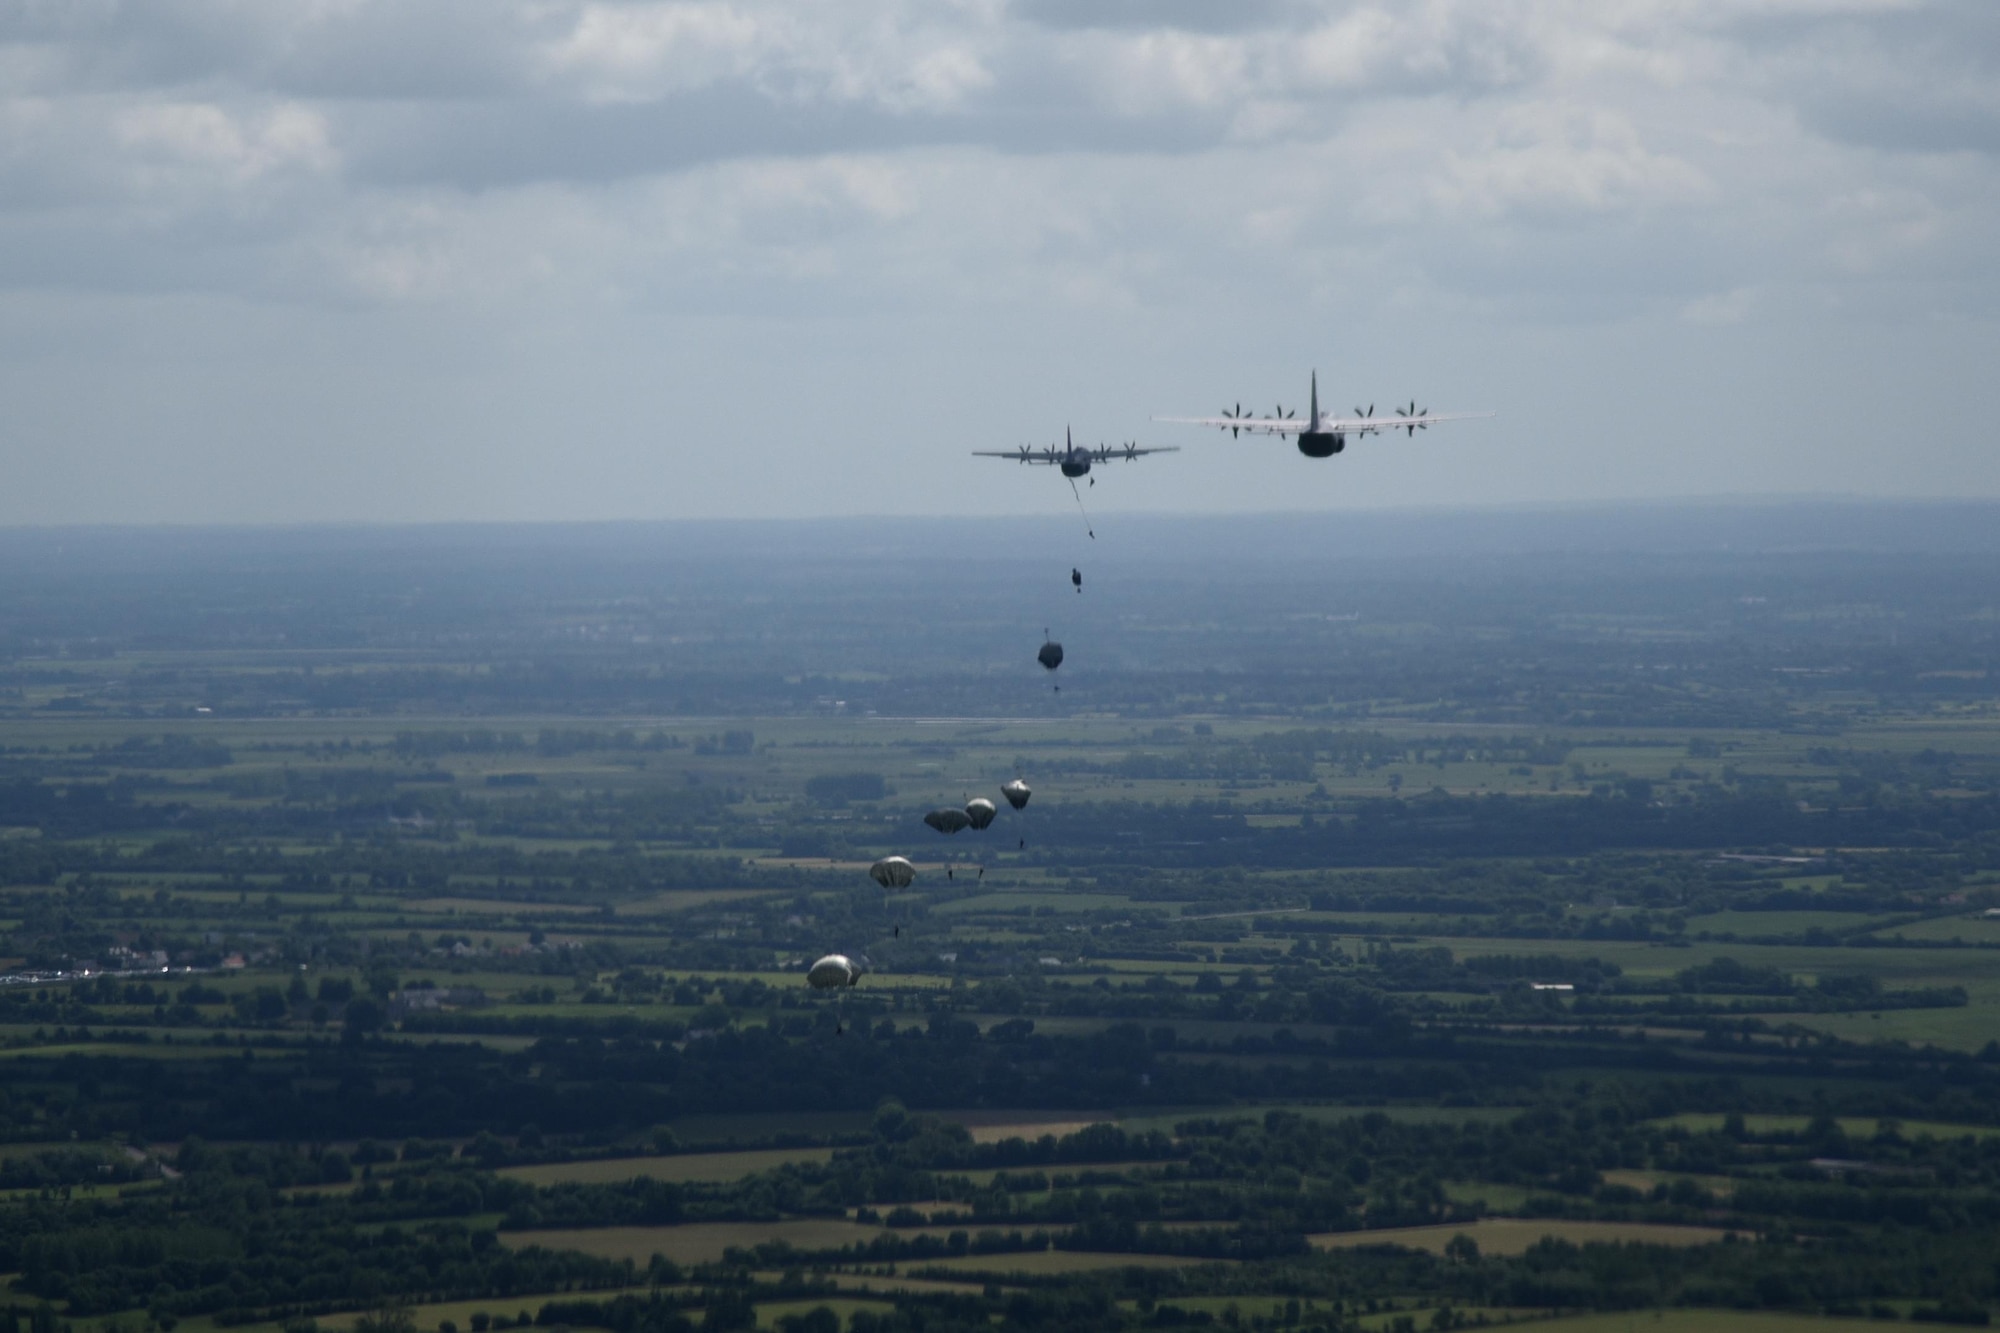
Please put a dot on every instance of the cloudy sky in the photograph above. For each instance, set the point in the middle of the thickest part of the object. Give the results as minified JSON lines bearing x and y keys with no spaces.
{"x":487,"y":259}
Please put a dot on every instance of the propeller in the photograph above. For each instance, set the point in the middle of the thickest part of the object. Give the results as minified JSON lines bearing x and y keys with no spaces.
{"x":1365,"y":430}
{"x":1414,"y":411}
{"x":1237,"y":415}
{"x":1131,"y":451}
{"x":1027,"y":452}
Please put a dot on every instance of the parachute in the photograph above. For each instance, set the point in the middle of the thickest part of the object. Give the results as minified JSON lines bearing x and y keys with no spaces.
{"x":948,"y":820}
{"x":1017,"y":793}
{"x":834,"y":971}
{"x":1051,"y":654}
{"x":893,"y":872}
{"x":980,"y":811}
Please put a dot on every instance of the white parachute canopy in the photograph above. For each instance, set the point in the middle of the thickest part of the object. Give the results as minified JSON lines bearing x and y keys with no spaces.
{"x":980,"y":811}
{"x":893,"y":872}
{"x":834,"y":971}
{"x":948,"y":820}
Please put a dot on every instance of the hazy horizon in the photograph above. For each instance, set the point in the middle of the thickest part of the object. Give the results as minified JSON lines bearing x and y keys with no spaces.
{"x":1035,"y":548}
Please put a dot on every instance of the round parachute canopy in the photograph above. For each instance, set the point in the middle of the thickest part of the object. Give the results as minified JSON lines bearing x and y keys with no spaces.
{"x":980,"y":811}
{"x":834,"y":971}
{"x":1051,"y":654}
{"x":893,"y":872}
{"x":1017,"y":793}
{"x":948,"y":820}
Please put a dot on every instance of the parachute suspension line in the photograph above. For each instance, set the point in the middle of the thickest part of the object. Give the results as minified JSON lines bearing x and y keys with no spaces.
{"x":1081,"y":510}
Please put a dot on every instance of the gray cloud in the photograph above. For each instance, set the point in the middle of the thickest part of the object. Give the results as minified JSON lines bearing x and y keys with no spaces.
{"x":1915,"y":80}
{"x":1151,"y":15}
{"x":484,"y":145}
{"x":976,"y":208}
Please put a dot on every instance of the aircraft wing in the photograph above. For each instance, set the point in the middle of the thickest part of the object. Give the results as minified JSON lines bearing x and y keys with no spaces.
{"x":1111,"y":453}
{"x":1329,"y":424}
{"x":1103,"y":453}
{"x":1365,"y":425}
{"x":1045,"y":457}
{"x":1254,"y":425}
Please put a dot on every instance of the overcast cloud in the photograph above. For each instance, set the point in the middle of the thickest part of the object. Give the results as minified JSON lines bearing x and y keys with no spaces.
{"x":356,"y":259}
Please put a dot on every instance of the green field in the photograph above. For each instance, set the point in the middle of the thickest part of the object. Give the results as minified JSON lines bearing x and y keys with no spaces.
{"x":706,"y":1242}
{"x":1646,"y":1181}
{"x":1512,"y":1235}
{"x":1855,"y":1127}
{"x":1976,"y":929}
{"x":1490,"y":1195}
{"x":844,"y":1307}
{"x":1046,"y":1263}
{"x":724,"y":1130}
{"x":1697,"y":1321}
{"x":1014,"y":902}
{"x":427,"y":1314}
{"x":696,"y":1243}
{"x":708,"y":1167}
{"x":985,"y":1126}
{"x":1752,"y":924}
{"x":1296,"y":935}
{"x":992,"y":1127}
{"x":1966,"y":1029}
{"x":1165,"y":1121}
{"x":863,"y":1284}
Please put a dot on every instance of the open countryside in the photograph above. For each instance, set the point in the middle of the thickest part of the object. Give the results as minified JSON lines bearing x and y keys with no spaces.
{"x":1336,"y":1003}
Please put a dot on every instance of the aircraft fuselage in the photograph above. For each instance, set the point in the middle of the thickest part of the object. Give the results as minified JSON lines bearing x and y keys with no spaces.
{"x":1321,"y":444}
{"x":1076,"y":463}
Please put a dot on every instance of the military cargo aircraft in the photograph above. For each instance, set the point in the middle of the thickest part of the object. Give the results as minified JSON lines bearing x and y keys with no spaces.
{"x":1322,"y":435}
{"x":1074,"y":459}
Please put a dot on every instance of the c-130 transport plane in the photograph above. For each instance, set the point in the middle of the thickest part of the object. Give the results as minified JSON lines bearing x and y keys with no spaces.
{"x":1323,"y":436}
{"x":1072,"y":458}
{"x":1075,"y":461}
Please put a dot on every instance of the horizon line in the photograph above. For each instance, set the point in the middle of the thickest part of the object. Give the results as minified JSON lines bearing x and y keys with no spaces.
{"x":1725,"y":500}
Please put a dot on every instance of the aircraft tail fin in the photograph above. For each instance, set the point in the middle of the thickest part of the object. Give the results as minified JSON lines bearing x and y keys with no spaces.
{"x":1315,"y":400}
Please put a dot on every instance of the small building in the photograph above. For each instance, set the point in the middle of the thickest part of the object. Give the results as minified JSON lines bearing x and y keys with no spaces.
{"x":434,"y":999}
